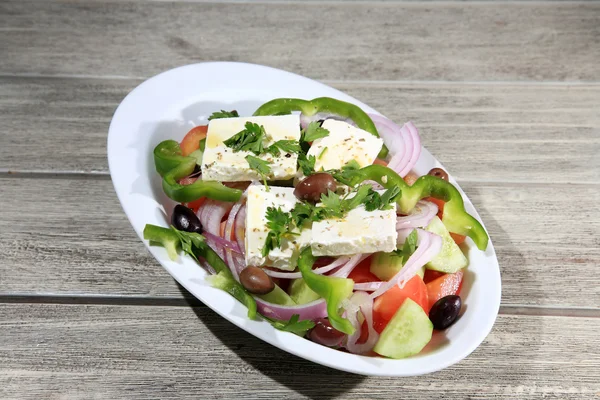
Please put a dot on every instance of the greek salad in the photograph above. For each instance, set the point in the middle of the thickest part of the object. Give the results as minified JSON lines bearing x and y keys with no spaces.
{"x":309,"y":213}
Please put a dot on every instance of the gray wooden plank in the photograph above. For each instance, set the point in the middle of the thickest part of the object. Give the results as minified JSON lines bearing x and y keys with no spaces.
{"x":83,"y":352}
{"x":377,"y":41}
{"x":76,"y":240}
{"x":514,"y":133}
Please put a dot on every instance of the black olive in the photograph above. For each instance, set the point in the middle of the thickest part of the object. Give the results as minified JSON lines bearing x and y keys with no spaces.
{"x":311,"y":188}
{"x":184,"y":219}
{"x":445,"y":311}
{"x":256,"y":280}
{"x":438,"y":173}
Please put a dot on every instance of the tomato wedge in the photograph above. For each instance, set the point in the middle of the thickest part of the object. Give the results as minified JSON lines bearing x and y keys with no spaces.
{"x":362,"y":272}
{"x":386,"y":305}
{"x":191,"y":141}
{"x":443,"y":286}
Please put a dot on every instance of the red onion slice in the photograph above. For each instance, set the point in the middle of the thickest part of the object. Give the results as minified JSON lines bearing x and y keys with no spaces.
{"x":223,"y":243}
{"x":311,"y":311}
{"x":240,"y":229}
{"x":429,"y":245}
{"x":415,"y":152}
{"x":368,"y":286}
{"x":419,"y":217}
{"x":305,"y":119}
{"x":403,"y":143}
{"x":364,"y":303}
{"x":319,"y":271}
{"x":211,"y":213}
{"x":344,"y":271}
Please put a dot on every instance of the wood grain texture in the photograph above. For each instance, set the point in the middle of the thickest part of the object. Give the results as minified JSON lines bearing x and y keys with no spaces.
{"x":52,"y":351}
{"x":77,"y":240}
{"x":366,"y":40}
{"x":509,"y":133}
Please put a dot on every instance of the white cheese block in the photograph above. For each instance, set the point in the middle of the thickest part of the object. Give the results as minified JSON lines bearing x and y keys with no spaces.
{"x":360,"y":231}
{"x":220,"y":163}
{"x":343,"y":144}
{"x":259,"y":199}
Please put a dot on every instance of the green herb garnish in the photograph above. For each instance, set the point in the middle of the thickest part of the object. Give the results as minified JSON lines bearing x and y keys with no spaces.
{"x":287,"y":146}
{"x":249,"y":139}
{"x":260,"y":166}
{"x":223,"y":114}
{"x":313,"y":132}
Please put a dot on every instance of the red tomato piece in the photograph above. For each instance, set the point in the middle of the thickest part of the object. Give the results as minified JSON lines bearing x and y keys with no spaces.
{"x":364,"y":333}
{"x":386,"y":305}
{"x":439,"y":203}
{"x":431,"y":275}
{"x":362,"y":272}
{"x":379,"y":161}
{"x":458,"y":239}
{"x":191,"y":141}
{"x":443,"y":286}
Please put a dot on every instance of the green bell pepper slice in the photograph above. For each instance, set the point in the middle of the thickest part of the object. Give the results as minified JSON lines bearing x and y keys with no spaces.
{"x":172,"y":166}
{"x":325,"y":105}
{"x":455,"y":217}
{"x":195,"y":245}
{"x":333,"y":290}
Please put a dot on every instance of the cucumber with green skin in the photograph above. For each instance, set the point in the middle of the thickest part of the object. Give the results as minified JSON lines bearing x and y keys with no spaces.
{"x":301,"y":293}
{"x":450,"y":259}
{"x":386,"y":265}
{"x":406,"y":334}
{"x":278,"y":296}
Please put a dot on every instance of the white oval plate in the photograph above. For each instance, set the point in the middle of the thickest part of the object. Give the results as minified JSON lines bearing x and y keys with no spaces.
{"x":167,"y":106}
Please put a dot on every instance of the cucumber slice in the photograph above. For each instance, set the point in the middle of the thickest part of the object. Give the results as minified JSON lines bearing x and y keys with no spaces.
{"x":301,"y":293}
{"x":407,"y":333}
{"x":386,"y":265}
{"x":451,"y":258}
{"x":278,"y":296}
{"x":197,"y":154}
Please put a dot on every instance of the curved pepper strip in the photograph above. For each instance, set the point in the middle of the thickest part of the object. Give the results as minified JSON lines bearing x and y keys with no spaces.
{"x":455,"y":217}
{"x":172,"y":166}
{"x":324,"y":105}
{"x":222,"y":280}
{"x":333,"y":290}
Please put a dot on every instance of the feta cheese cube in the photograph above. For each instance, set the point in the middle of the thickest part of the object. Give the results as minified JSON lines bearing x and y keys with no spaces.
{"x":221,"y":163}
{"x":360,"y":231}
{"x":259,"y":199}
{"x":343,"y":144}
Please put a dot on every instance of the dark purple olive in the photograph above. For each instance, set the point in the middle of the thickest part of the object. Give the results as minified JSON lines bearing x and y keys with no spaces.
{"x":325,"y":334}
{"x":438,"y":173}
{"x":184,"y":219}
{"x":445,"y":311}
{"x":311,"y":188}
{"x":256,"y":281}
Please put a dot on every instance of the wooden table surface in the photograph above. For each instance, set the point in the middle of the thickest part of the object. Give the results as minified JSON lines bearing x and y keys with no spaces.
{"x":506,"y":95}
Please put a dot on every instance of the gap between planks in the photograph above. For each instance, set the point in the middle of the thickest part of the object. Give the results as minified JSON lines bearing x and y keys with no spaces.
{"x":164,"y":301}
{"x":456,"y":3}
{"x":376,"y":83}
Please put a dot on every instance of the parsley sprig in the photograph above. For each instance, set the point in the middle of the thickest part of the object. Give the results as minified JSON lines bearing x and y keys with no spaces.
{"x":223,"y":114}
{"x":409,"y":247}
{"x":313,"y":132}
{"x":260,"y":166}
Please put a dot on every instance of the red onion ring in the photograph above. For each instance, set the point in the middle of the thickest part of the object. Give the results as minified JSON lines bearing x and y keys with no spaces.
{"x":368,"y":286}
{"x":311,"y":311}
{"x":319,"y":271}
{"x":403,"y":143}
{"x":364,"y":303}
{"x":419,"y":217}
{"x":240,"y":228}
{"x":211,"y":213}
{"x":344,"y":271}
{"x":305,"y":119}
{"x":223,"y":243}
{"x":429,"y":245}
